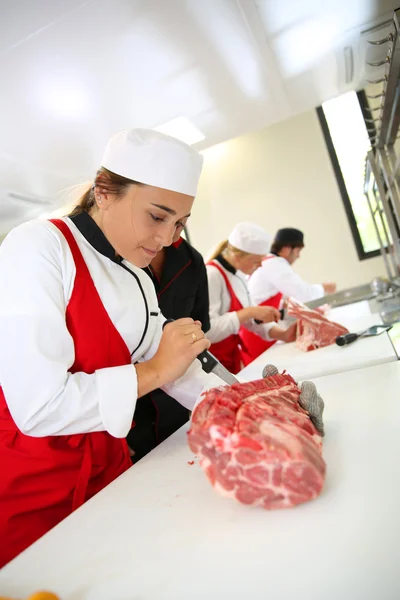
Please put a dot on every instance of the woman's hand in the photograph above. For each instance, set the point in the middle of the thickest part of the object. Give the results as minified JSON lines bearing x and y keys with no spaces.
{"x":284,"y":335}
{"x":329,"y":288}
{"x":181,"y":342}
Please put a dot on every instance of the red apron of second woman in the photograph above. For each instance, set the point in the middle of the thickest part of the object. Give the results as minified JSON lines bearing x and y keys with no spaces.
{"x":230,"y":351}
{"x":57,"y":474}
{"x":254,"y":344}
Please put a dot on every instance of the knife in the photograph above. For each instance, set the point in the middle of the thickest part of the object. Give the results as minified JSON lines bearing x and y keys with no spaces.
{"x":210,"y":364}
{"x":349,"y":338}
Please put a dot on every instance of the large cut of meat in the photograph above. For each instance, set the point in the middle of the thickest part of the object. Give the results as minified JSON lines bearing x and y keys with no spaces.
{"x":256,"y":444}
{"x":314,"y":330}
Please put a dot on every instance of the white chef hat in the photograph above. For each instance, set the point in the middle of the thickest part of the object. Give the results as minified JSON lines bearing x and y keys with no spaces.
{"x":153,"y":158}
{"x":250,"y":238}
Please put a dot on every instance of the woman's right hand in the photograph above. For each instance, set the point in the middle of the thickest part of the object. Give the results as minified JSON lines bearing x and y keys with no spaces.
{"x":181,"y":342}
{"x":265,"y":314}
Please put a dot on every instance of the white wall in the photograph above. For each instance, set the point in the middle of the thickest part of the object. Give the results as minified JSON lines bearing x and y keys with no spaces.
{"x":281,"y":176}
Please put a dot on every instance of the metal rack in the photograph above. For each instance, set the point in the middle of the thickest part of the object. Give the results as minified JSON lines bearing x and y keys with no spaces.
{"x":382,"y":173}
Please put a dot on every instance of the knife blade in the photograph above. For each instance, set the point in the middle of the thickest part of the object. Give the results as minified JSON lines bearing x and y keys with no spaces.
{"x":210,"y":364}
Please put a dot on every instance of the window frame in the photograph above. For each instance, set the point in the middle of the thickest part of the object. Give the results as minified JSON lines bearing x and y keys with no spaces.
{"x":362,"y":255}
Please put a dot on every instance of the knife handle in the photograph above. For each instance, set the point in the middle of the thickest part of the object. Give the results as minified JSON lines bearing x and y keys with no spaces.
{"x":348,"y":338}
{"x":208,"y":361}
{"x":282,"y":313}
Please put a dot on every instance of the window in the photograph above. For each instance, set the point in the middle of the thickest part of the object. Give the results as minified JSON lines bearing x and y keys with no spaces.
{"x":343,"y":124}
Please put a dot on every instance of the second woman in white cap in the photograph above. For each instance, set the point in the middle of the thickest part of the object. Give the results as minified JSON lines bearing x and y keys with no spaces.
{"x":231,"y":307}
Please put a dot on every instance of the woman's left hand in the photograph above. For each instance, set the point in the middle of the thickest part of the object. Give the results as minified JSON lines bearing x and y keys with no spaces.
{"x":289,"y":334}
{"x":284,"y":335}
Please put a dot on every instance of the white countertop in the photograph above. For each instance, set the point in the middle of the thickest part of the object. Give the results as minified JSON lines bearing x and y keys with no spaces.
{"x":365,"y":352}
{"x":161,"y":532}
{"x":347,"y":314}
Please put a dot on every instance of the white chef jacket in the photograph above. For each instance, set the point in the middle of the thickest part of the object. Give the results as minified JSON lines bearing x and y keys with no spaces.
{"x":277,"y":275}
{"x":37,"y":275}
{"x":224,"y":323}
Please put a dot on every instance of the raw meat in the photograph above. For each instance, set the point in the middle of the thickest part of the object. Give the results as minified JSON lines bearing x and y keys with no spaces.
{"x":256,"y":444}
{"x":323,"y":309}
{"x":313,"y":329}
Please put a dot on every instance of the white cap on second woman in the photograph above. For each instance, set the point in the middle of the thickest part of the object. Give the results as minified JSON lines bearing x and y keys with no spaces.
{"x":153,"y":158}
{"x":250,"y":238}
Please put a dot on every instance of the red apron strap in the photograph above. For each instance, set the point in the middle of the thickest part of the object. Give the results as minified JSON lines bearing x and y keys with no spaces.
{"x":228,"y":351}
{"x":227,"y":282}
{"x":76,"y":253}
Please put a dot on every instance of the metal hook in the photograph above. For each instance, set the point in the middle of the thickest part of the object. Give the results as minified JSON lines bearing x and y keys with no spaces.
{"x":379,"y":63}
{"x":372,"y":110}
{"x":389,"y":38}
{"x":381,"y":80}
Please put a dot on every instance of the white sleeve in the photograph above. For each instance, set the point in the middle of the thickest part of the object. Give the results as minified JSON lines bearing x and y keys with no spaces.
{"x":187,"y":389}
{"x":37,"y":350}
{"x":222,"y":323}
{"x":284,"y":278}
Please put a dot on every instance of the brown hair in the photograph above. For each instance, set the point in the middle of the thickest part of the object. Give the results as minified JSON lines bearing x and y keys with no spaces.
{"x":109,"y":182}
{"x":226,"y":246}
{"x":276,"y":247}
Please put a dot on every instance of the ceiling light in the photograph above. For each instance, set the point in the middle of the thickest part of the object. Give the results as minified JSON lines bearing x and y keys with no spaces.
{"x":182,"y":129}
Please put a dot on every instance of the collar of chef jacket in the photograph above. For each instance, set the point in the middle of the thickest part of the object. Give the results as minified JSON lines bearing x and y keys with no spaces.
{"x":94,"y":235}
{"x":225,"y":264}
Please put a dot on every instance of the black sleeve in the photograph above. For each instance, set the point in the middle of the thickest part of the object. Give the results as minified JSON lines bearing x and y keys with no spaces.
{"x":202,"y":303}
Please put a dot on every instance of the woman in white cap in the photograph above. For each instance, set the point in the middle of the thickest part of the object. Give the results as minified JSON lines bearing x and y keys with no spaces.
{"x":81,"y":334}
{"x":232,"y":311}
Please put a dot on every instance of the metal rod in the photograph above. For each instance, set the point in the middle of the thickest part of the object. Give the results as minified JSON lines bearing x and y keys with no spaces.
{"x":391,"y":185}
{"x":375,"y":96}
{"x":390,"y":112}
{"x":368,"y":189}
{"x":372,"y":120}
{"x":376,"y":81}
{"x":389,"y":216}
{"x":389,"y":38}
{"x":379,"y":63}
{"x":380,"y":241}
{"x":371,"y":110}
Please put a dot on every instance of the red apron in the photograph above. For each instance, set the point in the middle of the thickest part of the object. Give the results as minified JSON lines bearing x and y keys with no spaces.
{"x":254,"y":344}
{"x":42,"y":480}
{"x":230,"y":351}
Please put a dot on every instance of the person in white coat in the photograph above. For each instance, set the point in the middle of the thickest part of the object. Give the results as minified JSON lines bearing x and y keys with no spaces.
{"x":276,"y":277}
{"x":233,"y":313}
{"x":82,"y":335}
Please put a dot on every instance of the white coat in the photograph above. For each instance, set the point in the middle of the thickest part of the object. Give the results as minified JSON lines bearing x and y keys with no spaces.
{"x":224,"y":323}
{"x":37,"y":274}
{"x":277,"y":275}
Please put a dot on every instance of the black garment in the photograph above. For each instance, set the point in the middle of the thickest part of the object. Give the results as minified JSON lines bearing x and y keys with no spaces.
{"x":230,"y":268}
{"x":181,"y":292}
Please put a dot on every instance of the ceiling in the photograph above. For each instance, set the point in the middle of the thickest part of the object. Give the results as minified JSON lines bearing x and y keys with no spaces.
{"x":74,"y":72}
